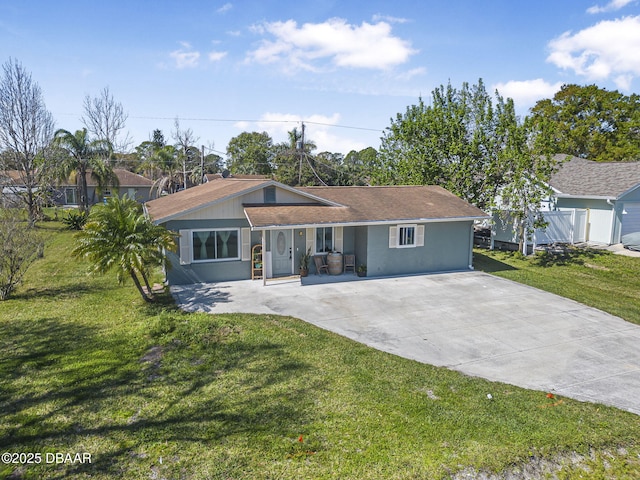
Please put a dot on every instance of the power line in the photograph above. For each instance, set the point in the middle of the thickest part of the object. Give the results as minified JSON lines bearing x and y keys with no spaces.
{"x":231,"y":120}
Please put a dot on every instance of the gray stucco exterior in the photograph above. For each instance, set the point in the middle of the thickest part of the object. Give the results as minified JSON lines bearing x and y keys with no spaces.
{"x":447,"y":247}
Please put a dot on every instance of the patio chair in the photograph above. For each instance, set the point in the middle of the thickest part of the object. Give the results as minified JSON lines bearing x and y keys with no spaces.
{"x":350,"y":263}
{"x":320,"y":265}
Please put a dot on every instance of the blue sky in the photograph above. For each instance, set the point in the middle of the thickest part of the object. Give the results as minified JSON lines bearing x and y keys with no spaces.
{"x":344,"y":68}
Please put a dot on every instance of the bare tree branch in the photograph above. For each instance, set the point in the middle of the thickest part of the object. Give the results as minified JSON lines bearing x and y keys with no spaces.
{"x":105,"y":119}
{"x":26,"y":130}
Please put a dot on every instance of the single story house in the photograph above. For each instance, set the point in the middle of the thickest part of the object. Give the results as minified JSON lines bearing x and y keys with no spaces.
{"x":592,"y":202}
{"x":393,"y":230}
{"x":134,"y":185}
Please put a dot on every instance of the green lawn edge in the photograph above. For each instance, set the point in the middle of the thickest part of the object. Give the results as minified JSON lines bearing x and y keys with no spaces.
{"x":152,"y":392}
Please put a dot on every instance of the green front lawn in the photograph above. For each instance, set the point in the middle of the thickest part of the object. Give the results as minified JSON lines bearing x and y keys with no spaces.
{"x":151,"y":392}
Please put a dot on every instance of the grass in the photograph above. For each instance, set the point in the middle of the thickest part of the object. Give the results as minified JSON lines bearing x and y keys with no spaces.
{"x":597,"y":278}
{"x":152,"y":392}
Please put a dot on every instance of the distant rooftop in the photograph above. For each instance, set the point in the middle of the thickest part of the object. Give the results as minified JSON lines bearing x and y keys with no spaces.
{"x":580,"y":177}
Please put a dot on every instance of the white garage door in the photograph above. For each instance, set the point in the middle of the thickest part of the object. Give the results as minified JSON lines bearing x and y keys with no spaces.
{"x":630,"y":219}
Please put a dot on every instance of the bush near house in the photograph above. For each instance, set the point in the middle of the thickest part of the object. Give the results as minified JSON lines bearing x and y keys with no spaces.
{"x":86,"y":366}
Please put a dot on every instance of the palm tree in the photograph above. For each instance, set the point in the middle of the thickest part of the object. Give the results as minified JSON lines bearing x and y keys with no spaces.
{"x":83,"y":155}
{"x":166,"y":159}
{"x":118,"y":236}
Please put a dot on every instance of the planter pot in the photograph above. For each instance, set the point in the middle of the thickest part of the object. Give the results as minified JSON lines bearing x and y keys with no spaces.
{"x":304,"y":272}
{"x":362,"y":274}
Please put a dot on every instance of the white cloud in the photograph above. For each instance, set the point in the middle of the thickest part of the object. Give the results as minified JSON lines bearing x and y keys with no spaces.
{"x":387,"y":18}
{"x":612,"y":6}
{"x":185,"y":57}
{"x":216,"y":56}
{"x":225,"y":8}
{"x":610,"y":48}
{"x":343,"y":45}
{"x":526,"y":93}
{"x":409,"y":74}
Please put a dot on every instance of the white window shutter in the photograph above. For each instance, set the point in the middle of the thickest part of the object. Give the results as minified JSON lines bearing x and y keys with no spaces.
{"x":185,"y":247}
{"x":337,"y":241}
{"x":311,"y":239}
{"x":245,"y":233}
{"x":420,"y":236}
{"x":393,"y":234}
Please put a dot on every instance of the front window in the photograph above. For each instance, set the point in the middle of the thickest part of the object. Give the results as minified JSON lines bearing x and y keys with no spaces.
{"x":70,"y":196}
{"x":209,"y":245}
{"x":324,"y":239}
{"x":407,"y":236}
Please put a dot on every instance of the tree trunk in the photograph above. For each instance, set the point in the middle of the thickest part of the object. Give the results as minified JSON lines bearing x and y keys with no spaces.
{"x":82,"y":171}
{"x":139,"y":286}
{"x":146,"y":282}
{"x":522,"y":244}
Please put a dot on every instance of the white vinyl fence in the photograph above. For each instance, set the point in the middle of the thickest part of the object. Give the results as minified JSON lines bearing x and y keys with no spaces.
{"x":566,"y":226}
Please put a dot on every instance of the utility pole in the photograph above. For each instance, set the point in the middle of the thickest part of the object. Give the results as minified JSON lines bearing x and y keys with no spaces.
{"x":301,"y":153}
{"x":202,"y":165}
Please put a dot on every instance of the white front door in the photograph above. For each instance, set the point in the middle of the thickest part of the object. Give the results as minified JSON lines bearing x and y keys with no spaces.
{"x":281,"y":253}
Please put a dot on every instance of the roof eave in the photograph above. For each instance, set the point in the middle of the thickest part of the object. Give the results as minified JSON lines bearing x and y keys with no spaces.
{"x":587,"y":197}
{"x":365,"y":223}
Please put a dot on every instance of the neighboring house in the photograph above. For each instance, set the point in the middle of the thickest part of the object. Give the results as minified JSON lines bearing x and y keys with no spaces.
{"x":134,"y":185}
{"x":394,"y":230}
{"x":592,"y":202}
{"x":11,"y":186}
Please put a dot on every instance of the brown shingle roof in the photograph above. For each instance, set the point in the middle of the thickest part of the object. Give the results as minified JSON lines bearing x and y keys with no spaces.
{"x":367,"y":205}
{"x":344,"y":204}
{"x":164,"y":208}
{"x":13,"y":177}
{"x":580,"y":177}
{"x":130,"y":179}
{"x":125,"y":179}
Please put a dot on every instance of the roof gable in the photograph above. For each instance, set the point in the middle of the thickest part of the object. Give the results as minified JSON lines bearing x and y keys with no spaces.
{"x":585,"y":178}
{"x":208,"y":194}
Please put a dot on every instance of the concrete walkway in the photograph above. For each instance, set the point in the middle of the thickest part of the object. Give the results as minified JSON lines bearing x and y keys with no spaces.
{"x":472,"y":322}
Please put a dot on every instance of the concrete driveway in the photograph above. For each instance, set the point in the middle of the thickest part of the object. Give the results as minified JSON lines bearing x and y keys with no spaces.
{"x":472,"y":322}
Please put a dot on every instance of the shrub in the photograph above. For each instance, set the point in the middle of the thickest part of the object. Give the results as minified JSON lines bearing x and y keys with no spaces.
{"x":75,"y":220}
{"x":20,"y":246}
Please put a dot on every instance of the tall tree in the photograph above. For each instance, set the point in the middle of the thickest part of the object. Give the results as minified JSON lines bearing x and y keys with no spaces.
{"x":250,"y":153}
{"x":105,"y":119}
{"x":527,"y":164}
{"x":188,"y":153}
{"x":117,"y":236}
{"x":452,"y":142}
{"x":475,"y":147}
{"x":26,"y":130}
{"x":82,"y":155}
{"x":592,"y":122}
{"x":357,"y":166}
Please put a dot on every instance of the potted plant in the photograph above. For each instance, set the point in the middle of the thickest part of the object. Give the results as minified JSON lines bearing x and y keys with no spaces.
{"x":362,"y":270}
{"x":304,"y":263}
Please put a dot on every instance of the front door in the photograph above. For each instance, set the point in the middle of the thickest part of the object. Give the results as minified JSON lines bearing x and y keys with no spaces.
{"x":281,"y":254}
